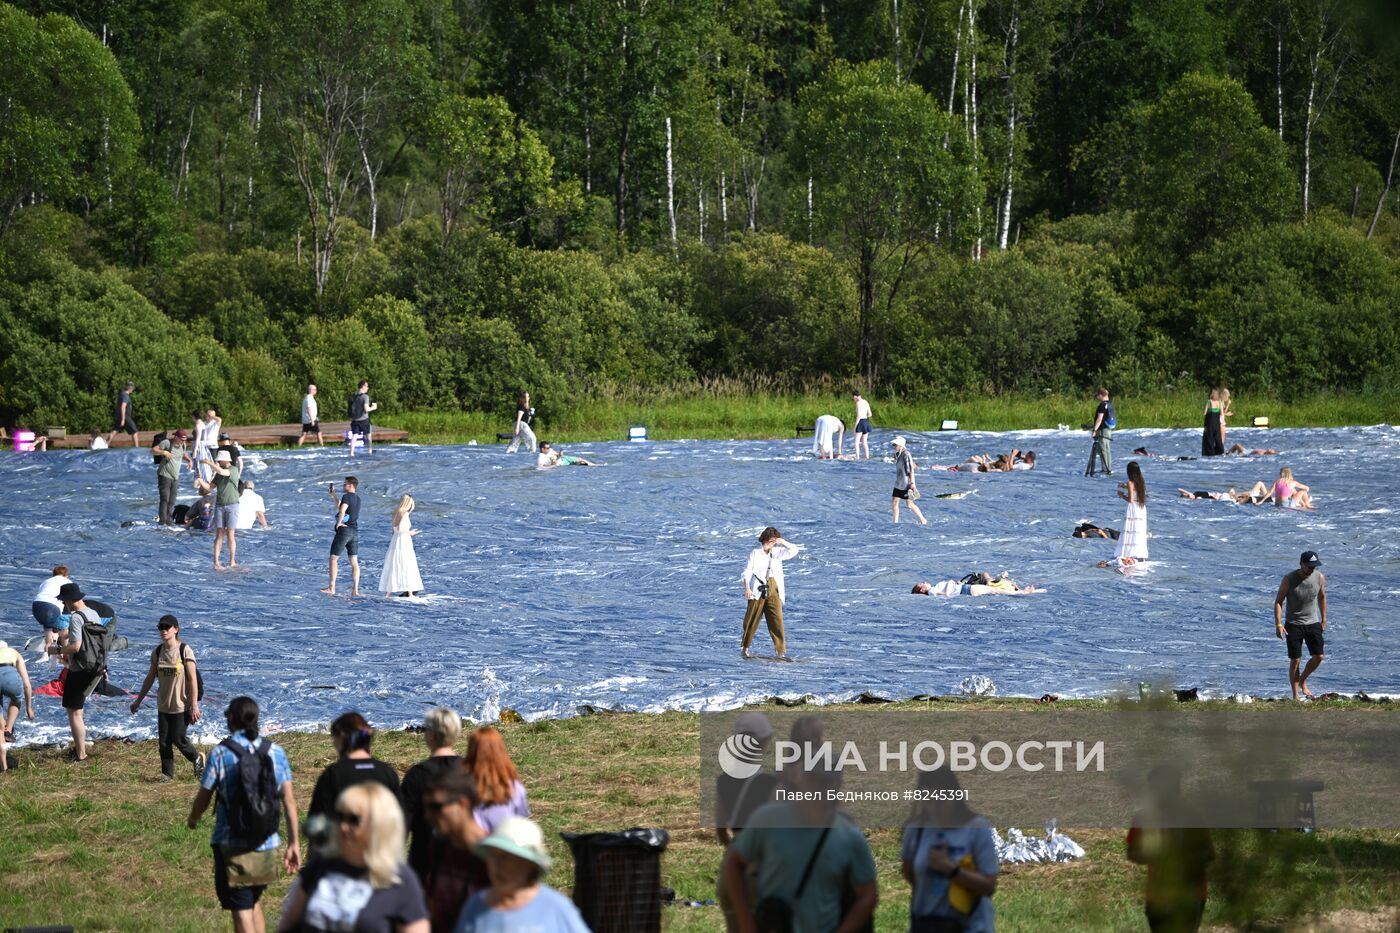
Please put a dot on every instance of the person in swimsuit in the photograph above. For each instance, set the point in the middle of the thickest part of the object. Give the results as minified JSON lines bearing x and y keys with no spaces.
{"x":862,"y":431}
{"x":1237,"y":450}
{"x":1288,"y":491}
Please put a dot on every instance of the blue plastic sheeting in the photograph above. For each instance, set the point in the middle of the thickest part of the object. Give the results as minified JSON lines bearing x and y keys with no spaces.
{"x":618,"y":585}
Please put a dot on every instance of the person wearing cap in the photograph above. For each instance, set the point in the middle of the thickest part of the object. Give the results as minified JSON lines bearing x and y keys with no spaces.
{"x":235,"y":451}
{"x":170,"y":458}
{"x":78,"y":686}
{"x":516,"y":863}
{"x":226,"y":475}
{"x":783,"y":839}
{"x":906,"y":487}
{"x":763,"y":588}
{"x":1305,"y":592}
{"x":125,"y":421}
{"x":736,"y":800}
{"x":177,"y":701}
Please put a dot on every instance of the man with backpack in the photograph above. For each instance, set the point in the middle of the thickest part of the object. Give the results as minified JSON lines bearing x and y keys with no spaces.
{"x":177,"y":702}
{"x":253,"y":783}
{"x":85,"y":650}
{"x":359,"y":409}
{"x":1105,"y":420}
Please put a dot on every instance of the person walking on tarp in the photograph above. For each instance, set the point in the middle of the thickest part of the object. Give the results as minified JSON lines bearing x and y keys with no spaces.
{"x":522,"y":433}
{"x":1105,"y":420}
{"x":763,"y":588}
{"x":360,"y":409}
{"x":1305,"y":592}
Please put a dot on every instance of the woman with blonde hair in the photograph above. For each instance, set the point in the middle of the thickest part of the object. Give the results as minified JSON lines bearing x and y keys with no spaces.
{"x":442,"y":728}
{"x":400,"y":573}
{"x":363,"y":884}
{"x":1288,"y":491}
{"x":500,"y":794}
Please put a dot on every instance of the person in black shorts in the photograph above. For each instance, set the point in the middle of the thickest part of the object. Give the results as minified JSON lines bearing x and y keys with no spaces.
{"x":347,"y":534}
{"x":77,"y":687}
{"x":1305,"y":592}
{"x":123,"y":420}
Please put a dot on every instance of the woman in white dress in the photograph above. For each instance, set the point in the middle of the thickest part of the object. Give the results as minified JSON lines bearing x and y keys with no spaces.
{"x":1132,"y":543}
{"x":206,"y":442}
{"x":400,"y":574}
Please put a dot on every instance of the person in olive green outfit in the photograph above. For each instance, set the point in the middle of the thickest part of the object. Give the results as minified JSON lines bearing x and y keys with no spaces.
{"x":170,"y":457}
{"x":226,"y":476}
{"x":763,"y":588}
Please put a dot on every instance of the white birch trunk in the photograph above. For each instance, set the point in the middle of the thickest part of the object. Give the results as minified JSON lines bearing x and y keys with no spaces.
{"x":370,"y":178}
{"x":1278,"y":65}
{"x":809,"y":209}
{"x":700,"y":203}
{"x":723,"y":201}
{"x":898,"y":57}
{"x":1389,"y":177}
{"x":670,"y":186}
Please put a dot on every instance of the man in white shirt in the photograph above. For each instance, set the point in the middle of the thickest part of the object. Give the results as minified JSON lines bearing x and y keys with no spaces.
{"x":310,"y":418}
{"x":763,"y":588}
{"x":828,"y":437}
{"x":250,"y":507}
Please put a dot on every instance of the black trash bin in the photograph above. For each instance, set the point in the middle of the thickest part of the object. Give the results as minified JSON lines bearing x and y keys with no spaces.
{"x":617,"y":879}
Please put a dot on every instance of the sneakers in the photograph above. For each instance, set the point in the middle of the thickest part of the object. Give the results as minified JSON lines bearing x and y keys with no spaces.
{"x":165,"y":778}
{"x":198,"y":766}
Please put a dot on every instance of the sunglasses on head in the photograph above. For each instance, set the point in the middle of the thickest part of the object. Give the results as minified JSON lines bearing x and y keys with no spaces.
{"x":347,"y":819}
{"x":436,"y":806}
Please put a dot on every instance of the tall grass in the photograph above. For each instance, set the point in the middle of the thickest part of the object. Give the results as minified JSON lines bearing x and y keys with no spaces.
{"x":762,"y":407}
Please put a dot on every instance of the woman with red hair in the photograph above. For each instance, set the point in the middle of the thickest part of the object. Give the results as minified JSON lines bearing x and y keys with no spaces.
{"x":499,"y":791}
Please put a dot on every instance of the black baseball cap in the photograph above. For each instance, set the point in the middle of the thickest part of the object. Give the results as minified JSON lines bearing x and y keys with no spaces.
{"x":1310,"y":559}
{"x":70,"y":593}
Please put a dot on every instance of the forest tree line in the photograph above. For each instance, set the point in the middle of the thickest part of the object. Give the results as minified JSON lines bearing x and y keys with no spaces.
{"x":457,"y":199}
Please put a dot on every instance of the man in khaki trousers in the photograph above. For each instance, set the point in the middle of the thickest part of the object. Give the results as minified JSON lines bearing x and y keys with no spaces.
{"x":763,"y":588}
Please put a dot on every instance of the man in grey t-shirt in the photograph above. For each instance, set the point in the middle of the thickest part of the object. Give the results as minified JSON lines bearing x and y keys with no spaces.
{"x":906,"y":487}
{"x":1305,"y":592}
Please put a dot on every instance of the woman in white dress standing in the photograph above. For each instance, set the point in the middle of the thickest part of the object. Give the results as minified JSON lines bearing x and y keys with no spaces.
{"x":400,"y":574}
{"x":206,"y":442}
{"x":1132,"y":543}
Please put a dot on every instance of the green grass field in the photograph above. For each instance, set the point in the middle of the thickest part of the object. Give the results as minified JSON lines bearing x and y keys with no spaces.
{"x":723,"y":411}
{"x":102,"y":846}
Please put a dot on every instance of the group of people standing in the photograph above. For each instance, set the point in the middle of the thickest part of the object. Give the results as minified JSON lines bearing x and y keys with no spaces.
{"x":475,"y":862}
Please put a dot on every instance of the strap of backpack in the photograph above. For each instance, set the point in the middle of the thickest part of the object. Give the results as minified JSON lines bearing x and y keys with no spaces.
{"x":238,"y":750}
{"x":811,"y":863}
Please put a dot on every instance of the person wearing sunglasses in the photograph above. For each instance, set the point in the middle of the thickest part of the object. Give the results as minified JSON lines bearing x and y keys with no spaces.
{"x":363,"y":884}
{"x":454,"y":871}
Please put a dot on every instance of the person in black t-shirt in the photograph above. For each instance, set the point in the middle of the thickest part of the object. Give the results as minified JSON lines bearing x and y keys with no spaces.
{"x":123,"y":421}
{"x":442,"y":728}
{"x":352,"y":737}
{"x":1105,"y":420}
{"x":347,"y":534}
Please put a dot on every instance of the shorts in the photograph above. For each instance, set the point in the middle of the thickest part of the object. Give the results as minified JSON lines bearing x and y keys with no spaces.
{"x":901,"y":493}
{"x":346,"y":540}
{"x":46,"y":614}
{"x":77,"y":687}
{"x":1299,"y":635}
{"x":361,"y":427}
{"x":226,"y":516}
{"x":231,"y":898}
{"x":313,"y":427}
{"x":129,"y":426}
{"x":863,"y":426}
{"x":966,"y":589}
{"x":11,"y":686}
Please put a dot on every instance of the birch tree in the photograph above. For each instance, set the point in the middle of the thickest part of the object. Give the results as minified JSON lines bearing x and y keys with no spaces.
{"x":341,"y":66}
{"x":1324,"y":31}
{"x":884,"y":182}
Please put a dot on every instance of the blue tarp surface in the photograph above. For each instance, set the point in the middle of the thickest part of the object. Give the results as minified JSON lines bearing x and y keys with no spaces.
{"x":618,"y":586}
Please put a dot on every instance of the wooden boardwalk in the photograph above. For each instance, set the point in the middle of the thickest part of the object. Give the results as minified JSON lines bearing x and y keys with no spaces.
{"x":249,"y":435}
